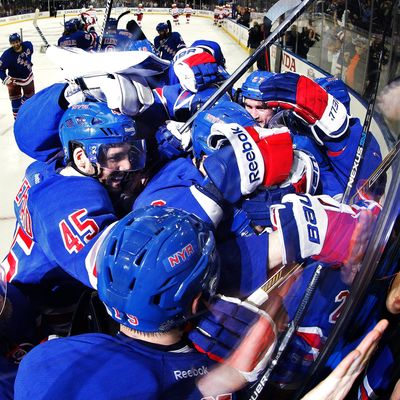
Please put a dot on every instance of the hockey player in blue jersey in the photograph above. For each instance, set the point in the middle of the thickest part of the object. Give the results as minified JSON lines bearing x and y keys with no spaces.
{"x":16,"y":71}
{"x":155,"y":267}
{"x":332,"y":142}
{"x":73,"y":36}
{"x":62,"y":207}
{"x":167,"y":43}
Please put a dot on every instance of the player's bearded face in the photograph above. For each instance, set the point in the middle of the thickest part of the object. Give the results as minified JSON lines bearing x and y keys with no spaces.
{"x":16,"y":45}
{"x":259,"y":111}
{"x":118,"y":169}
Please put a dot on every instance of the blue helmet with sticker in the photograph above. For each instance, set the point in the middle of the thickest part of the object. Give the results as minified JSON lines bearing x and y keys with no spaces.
{"x":251,"y":86}
{"x":224,"y":112}
{"x":14,"y":37}
{"x":337,"y":88}
{"x":153,"y":264}
{"x":93,"y":127}
{"x":162,"y":26}
{"x":213,"y":48}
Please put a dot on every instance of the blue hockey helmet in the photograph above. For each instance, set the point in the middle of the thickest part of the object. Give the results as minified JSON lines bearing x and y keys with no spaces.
{"x":152,"y":265}
{"x":112,"y":25}
{"x":188,"y":102}
{"x":14,"y":37}
{"x":162,"y":26}
{"x":251,"y":86}
{"x":337,"y":88}
{"x":70,"y":26}
{"x":224,"y":112}
{"x":213,"y":48}
{"x":93,"y":127}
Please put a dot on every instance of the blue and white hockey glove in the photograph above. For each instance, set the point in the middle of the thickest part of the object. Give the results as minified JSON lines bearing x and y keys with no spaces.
{"x":171,"y":142}
{"x":254,"y":158}
{"x":195,"y":68}
{"x":326,"y":115}
{"x":303,"y":178}
{"x":237,"y":333}
{"x":123,"y":94}
{"x":317,"y":226}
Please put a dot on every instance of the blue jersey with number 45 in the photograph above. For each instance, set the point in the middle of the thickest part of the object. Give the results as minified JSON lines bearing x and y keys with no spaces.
{"x":58,"y":216}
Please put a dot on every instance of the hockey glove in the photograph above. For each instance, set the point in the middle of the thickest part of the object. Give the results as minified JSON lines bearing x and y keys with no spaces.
{"x":125,"y":95}
{"x":303,"y":178}
{"x":238,"y":333}
{"x":326,"y":115}
{"x":7,"y":80}
{"x":315,"y":226}
{"x":171,"y":142}
{"x":195,"y":68}
{"x":74,"y":94}
{"x":254,"y":158}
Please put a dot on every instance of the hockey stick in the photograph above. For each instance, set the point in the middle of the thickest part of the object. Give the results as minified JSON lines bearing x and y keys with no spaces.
{"x":368,"y":118}
{"x":277,"y":10}
{"x":257,"y":388}
{"x":122,"y":15}
{"x":379,"y":171}
{"x":107,"y":13}
{"x":260,"y":296}
{"x":39,"y":31}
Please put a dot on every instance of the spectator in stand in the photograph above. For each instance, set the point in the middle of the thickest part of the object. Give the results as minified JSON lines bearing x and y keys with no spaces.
{"x":355,"y":71}
{"x":254,"y":40}
{"x":244,"y":19}
{"x":292,"y":39}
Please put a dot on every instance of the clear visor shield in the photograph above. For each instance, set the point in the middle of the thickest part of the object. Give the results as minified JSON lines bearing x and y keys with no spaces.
{"x":124,"y":156}
{"x":3,"y":289}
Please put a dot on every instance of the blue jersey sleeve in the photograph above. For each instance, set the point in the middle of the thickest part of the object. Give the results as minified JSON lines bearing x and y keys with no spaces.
{"x":175,"y":185}
{"x":342,"y":161}
{"x":36,"y":128}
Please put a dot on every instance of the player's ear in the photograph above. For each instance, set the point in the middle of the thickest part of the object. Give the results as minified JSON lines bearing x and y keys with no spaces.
{"x":81,"y":161}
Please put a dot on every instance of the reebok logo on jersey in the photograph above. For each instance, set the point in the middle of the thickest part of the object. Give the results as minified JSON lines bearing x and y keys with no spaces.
{"x":181,"y":255}
{"x":190,"y":373}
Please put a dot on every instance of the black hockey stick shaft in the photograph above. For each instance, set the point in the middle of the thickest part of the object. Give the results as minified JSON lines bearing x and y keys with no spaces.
{"x":379,"y":171}
{"x":300,"y":312}
{"x":236,"y":75}
{"x":38,"y":30}
{"x":122,"y":15}
{"x":107,"y":13}
{"x":367,"y":122}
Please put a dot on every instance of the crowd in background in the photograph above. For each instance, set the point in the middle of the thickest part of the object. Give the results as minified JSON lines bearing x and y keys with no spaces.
{"x":346,"y":41}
